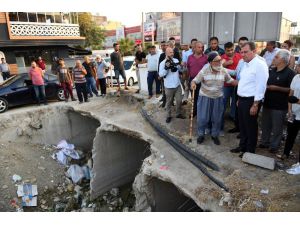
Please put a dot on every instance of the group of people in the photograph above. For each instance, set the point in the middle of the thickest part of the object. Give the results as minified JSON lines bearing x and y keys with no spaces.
{"x":235,"y":75}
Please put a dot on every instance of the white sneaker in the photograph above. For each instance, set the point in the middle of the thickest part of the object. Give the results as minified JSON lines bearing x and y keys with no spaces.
{"x":294,"y":170}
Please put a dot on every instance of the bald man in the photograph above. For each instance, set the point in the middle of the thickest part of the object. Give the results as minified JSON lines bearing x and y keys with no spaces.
{"x":169,"y":71}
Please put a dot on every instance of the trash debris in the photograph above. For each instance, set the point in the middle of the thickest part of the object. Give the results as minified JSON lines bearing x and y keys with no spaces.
{"x":226,"y":198}
{"x":16,"y":178}
{"x":71,"y":152}
{"x":76,"y":173}
{"x":29,"y":193}
{"x":4,"y":187}
{"x":14,"y":203}
{"x":64,"y":144}
{"x":264,"y":191}
{"x":114,"y":192}
{"x":258,"y":204}
{"x":61,"y":157}
{"x":87,"y":172}
{"x":163,"y":167}
{"x":294,"y":170}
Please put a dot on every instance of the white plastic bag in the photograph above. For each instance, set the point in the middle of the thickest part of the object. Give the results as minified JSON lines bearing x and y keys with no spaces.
{"x":76,"y":173}
{"x":64,"y":144}
{"x":71,"y":152}
{"x":62,"y":158}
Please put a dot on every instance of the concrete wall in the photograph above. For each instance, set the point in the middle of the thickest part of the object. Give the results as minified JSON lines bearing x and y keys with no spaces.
{"x":117,"y":158}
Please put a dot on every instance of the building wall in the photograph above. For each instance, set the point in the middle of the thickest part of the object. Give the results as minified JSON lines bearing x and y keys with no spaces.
{"x":2,"y":17}
{"x":285,"y":30}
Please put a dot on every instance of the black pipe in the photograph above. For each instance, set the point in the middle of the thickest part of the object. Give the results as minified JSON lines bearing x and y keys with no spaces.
{"x":179,"y":146}
{"x":190,"y":157}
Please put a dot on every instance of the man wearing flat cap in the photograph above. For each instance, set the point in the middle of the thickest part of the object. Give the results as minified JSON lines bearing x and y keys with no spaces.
{"x":210,"y":102}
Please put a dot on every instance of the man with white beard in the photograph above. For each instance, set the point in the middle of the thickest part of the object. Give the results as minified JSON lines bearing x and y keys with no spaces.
{"x":210,"y":102}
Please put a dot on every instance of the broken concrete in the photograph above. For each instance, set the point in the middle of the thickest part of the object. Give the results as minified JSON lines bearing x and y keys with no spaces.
{"x":259,"y":160}
{"x":113,"y":130}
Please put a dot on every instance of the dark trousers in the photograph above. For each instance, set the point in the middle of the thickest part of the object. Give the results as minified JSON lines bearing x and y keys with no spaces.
{"x":153,"y":75}
{"x":197,"y":90}
{"x":164,"y":98}
{"x":236,"y":118}
{"x":91,"y":86}
{"x":292,"y":132}
{"x":102,"y":83}
{"x":5,"y":75}
{"x":40,"y":93}
{"x":248,"y":125}
{"x":81,"y":90}
{"x":67,"y":88}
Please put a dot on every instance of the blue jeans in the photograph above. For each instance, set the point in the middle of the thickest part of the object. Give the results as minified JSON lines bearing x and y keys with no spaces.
{"x":40,"y":93}
{"x":153,"y":75}
{"x":91,"y":86}
{"x":228,"y":94}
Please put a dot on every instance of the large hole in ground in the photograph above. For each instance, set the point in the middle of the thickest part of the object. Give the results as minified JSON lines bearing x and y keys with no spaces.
{"x":117,"y":159}
{"x":167,"y":198}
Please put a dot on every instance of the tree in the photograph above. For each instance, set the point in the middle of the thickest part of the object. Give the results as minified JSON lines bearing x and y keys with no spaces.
{"x":126,"y":46}
{"x":94,"y":35}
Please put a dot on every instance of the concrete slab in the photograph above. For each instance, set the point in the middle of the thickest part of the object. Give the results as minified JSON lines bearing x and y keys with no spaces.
{"x":259,"y":160}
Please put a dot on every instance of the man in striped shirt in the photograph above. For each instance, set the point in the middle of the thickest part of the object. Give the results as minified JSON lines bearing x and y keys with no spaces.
{"x":79,"y":73}
{"x":210,"y":102}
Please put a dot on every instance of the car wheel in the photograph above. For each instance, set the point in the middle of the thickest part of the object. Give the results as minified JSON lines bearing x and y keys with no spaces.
{"x":130,"y":82}
{"x":60,"y":94}
{"x":3,"y":105}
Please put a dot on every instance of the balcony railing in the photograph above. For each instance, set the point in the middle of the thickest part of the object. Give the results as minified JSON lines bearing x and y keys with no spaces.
{"x":44,"y":29}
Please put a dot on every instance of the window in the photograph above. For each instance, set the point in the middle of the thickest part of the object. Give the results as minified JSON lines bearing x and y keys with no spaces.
{"x":32,"y":17}
{"x":13,"y":16}
{"x":23,"y":17}
{"x":49,"y":18}
{"x":41,"y":17}
{"x":58,"y":17}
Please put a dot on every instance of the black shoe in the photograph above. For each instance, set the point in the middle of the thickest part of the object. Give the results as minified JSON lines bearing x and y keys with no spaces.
{"x":180,"y":116}
{"x":216,"y":140}
{"x":87,"y":100}
{"x":163,"y":105}
{"x":90,"y":95}
{"x":241,"y":155}
{"x":80,"y":102}
{"x":168,"y":120}
{"x":233,"y":130}
{"x":236,"y":150}
{"x":138,"y":91}
{"x":263,"y":146}
{"x":238,"y":136}
{"x":184,"y":103}
{"x":200,"y":139}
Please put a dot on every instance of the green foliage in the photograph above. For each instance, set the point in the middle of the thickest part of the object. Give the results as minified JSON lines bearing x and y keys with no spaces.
{"x":94,"y":35}
{"x":126,"y":46}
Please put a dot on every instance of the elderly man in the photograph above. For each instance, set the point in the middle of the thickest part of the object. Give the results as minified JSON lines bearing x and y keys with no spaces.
{"x":271,"y":52}
{"x":253,"y":79}
{"x":210,"y":101}
{"x":275,"y":104}
{"x":169,"y":70}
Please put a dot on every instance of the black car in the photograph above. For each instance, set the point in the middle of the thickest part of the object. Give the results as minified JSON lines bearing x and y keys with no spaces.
{"x":18,"y":90}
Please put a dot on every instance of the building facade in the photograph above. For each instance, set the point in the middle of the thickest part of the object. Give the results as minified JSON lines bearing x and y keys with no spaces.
{"x":24,"y":36}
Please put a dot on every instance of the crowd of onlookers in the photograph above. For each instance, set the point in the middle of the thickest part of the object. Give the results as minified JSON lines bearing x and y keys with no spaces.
{"x":238,"y":76}
{"x":250,"y":83}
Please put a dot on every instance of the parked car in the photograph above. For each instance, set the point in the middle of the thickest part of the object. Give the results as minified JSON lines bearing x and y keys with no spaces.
{"x":18,"y":90}
{"x":129,"y":65}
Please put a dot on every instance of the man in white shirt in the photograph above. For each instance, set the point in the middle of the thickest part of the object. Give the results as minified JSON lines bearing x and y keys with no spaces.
{"x":253,"y":79}
{"x":4,"y":69}
{"x":169,"y":71}
{"x":270,"y":53}
{"x":152,"y":66}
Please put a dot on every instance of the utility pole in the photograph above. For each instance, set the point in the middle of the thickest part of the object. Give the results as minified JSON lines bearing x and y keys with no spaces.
{"x":142,"y":30}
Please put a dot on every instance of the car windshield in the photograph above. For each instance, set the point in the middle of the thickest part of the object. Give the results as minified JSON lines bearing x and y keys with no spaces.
{"x":127,"y":64}
{"x":9,"y":81}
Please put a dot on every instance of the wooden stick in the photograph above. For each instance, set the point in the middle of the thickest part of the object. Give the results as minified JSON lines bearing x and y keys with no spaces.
{"x":192,"y":115}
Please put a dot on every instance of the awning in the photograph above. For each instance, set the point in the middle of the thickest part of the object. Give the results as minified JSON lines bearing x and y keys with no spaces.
{"x":78,"y":51}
